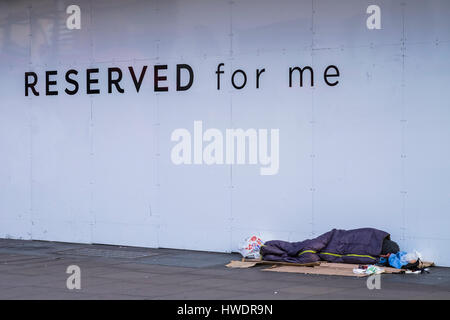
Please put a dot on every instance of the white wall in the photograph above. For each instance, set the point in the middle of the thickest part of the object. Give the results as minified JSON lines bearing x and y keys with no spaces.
{"x":372,"y":151}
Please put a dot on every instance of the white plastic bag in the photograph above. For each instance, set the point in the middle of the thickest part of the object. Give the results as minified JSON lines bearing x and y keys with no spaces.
{"x":358,"y":271}
{"x":411,"y":257}
{"x":373,"y":269}
{"x":249,"y":248}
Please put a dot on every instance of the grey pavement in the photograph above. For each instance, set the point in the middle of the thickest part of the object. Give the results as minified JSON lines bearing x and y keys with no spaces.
{"x":37,"y":270}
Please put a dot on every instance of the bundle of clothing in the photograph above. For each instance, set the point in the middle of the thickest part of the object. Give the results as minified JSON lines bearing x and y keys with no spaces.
{"x":358,"y":246}
{"x":403,"y":260}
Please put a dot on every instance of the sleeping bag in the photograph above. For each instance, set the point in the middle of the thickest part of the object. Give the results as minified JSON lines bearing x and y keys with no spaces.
{"x":344,"y":246}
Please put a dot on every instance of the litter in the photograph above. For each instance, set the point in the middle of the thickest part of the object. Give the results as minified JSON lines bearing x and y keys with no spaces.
{"x":250,"y":247}
{"x":368,"y":270}
{"x":413,"y":272}
{"x":358,"y":271}
{"x":411,"y":257}
{"x":373,"y":270}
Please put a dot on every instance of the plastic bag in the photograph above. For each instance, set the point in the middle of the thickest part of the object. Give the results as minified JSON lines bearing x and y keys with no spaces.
{"x":249,"y":248}
{"x":410,"y":257}
{"x":373,"y":269}
{"x":359,"y":271}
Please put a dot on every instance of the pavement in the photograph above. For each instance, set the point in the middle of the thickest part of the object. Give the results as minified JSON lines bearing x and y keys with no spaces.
{"x":37,"y":270}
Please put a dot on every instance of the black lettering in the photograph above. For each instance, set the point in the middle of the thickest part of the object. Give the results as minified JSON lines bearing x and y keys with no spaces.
{"x":218,"y":72}
{"x":71,"y":81}
{"x":31,"y":85}
{"x":258,"y":74}
{"x":191,"y":77}
{"x":245,"y":79}
{"x":90,"y":81}
{"x":49,"y":83}
{"x":158,"y":78}
{"x":114,"y":82}
{"x":291,"y":70}
{"x":326,"y":75}
{"x":137,"y":84}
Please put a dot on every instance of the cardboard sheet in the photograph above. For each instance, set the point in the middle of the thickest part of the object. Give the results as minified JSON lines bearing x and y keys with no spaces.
{"x":317,"y":270}
{"x":248,"y":263}
{"x":336,"y":269}
{"x":323,"y":267}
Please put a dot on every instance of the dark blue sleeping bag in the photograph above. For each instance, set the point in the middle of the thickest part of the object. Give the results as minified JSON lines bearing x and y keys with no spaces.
{"x":343,"y":246}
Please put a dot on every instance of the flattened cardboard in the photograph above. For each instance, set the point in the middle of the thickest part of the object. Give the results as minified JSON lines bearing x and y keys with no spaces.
{"x":317,"y":270}
{"x":332,"y":269}
{"x":241,"y":264}
{"x":248,"y":263}
{"x":322,"y":267}
{"x":309,"y":264}
{"x":348,"y":266}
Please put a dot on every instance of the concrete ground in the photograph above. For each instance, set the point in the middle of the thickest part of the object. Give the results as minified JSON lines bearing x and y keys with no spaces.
{"x":37,"y":270}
